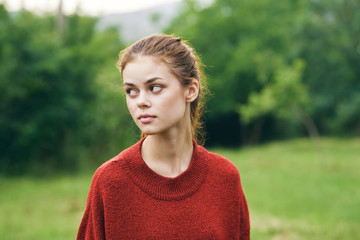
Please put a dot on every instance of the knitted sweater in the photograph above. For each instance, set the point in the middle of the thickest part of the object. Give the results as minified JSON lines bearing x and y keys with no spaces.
{"x":127,"y":200}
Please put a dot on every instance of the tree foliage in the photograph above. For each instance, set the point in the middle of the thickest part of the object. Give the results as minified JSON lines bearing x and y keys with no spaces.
{"x":242,"y":44}
{"x":284,"y":92}
{"x":49,"y":104}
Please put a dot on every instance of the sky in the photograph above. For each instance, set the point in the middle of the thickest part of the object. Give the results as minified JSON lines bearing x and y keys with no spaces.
{"x":89,"y":7}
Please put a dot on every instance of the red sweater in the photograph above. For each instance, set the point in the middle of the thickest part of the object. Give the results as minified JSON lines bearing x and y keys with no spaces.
{"x":127,"y":200}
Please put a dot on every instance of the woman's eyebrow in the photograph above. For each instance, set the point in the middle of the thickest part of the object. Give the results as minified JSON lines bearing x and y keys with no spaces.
{"x":152,"y":80}
{"x":129,"y":84}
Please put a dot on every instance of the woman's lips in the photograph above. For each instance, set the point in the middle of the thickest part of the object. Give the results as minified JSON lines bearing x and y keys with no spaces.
{"x":146,"y":118}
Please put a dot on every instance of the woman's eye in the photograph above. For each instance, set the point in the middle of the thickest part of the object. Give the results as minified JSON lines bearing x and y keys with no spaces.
{"x":131,"y":92}
{"x":155,"y":88}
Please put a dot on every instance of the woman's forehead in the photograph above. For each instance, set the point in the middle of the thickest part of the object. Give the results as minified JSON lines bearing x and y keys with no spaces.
{"x":145,"y":68}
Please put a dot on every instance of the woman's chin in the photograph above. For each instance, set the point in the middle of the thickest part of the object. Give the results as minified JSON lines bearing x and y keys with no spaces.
{"x":148,"y":132}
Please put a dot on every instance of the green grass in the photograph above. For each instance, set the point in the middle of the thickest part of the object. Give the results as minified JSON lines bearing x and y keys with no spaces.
{"x":42,"y":208}
{"x":293,"y":193}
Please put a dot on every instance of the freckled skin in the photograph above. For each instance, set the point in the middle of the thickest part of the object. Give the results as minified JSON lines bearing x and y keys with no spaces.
{"x":154,"y":92}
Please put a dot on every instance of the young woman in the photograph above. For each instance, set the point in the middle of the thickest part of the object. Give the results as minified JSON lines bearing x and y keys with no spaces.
{"x":166,"y":186}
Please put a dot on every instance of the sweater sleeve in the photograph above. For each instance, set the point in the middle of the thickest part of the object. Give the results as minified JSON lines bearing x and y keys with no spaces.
{"x":244,"y":217}
{"x":92,"y":224}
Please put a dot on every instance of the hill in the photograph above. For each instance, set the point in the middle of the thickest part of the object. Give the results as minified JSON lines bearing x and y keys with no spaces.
{"x":135,"y":25}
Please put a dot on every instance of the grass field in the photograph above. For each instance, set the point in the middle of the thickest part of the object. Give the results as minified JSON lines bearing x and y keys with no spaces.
{"x":292,"y":193}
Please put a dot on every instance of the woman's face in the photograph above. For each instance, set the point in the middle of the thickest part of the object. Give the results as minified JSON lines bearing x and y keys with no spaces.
{"x":156,"y":100}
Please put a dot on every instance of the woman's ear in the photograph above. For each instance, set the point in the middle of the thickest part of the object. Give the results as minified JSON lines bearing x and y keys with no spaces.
{"x":192,"y":91}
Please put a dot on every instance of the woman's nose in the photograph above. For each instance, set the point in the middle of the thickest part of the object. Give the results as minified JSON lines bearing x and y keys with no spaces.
{"x":143,"y":100}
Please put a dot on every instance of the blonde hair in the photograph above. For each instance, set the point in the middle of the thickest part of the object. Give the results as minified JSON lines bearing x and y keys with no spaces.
{"x":184,"y":63}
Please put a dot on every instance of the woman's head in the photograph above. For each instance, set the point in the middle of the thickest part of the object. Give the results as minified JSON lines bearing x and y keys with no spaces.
{"x":181,"y":60}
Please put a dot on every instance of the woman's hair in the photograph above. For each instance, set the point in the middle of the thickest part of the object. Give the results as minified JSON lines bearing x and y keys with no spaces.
{"x":184,"y":63}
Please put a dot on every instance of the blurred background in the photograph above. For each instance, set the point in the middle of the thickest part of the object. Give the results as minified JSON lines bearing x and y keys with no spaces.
{"x":284,"y":106}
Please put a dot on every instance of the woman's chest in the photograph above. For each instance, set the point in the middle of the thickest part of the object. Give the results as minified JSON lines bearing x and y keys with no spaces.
{"x":186,"y":219}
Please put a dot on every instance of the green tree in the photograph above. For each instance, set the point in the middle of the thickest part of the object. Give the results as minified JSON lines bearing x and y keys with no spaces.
{"x":286,"y":97}
{"x":50,"y":111}
{"x":331,"y":47}
{"x":240,"y":40}
{"x":231,"y":37}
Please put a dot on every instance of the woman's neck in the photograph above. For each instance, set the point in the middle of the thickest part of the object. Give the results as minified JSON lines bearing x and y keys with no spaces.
{"x":168,"y":156}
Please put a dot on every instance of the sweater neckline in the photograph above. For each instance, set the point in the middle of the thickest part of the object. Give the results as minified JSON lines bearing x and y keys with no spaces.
{"x":166,"y":188}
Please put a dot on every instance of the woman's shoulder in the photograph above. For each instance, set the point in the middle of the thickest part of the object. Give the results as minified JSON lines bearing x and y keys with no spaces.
{"x":222,"y":165}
